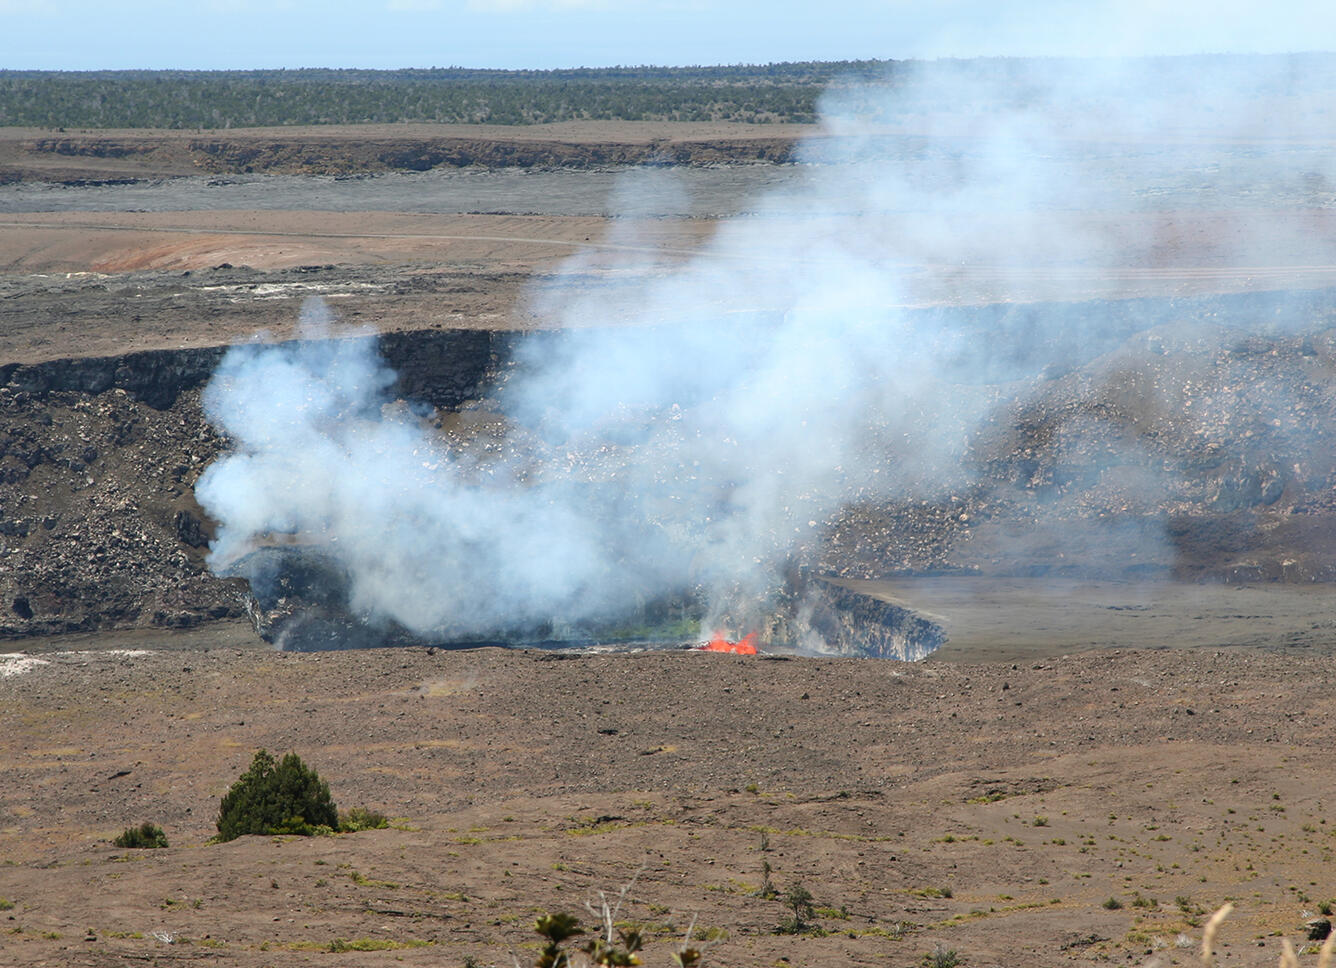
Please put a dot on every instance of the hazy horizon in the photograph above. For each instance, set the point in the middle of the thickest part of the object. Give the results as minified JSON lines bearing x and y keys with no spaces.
{"x":78,"y":35}
{"x":722,"y":65}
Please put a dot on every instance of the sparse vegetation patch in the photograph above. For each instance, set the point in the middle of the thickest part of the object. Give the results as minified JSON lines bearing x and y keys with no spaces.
{"x":360,"y":818}
{"x":145,"y":835}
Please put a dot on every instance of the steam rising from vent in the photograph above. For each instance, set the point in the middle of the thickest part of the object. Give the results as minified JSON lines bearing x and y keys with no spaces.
{"x":693,"y":430}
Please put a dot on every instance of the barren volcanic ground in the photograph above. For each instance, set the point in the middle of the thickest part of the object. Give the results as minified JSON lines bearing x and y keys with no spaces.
{"x":990,"y":809}
{"x":1128,"y":725}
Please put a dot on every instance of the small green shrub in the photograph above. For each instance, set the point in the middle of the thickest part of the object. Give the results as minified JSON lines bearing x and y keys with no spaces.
{"x":277,"y":797}
{"x":1113,"y":904}
{"x":767,"y":889}
{"x":145,"y":835}
{"x":360,"y":818}
{"x":6,"y":904}
{"x":799,"y":900}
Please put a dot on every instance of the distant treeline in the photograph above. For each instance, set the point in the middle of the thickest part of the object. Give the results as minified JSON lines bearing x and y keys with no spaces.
{"x":229,"y":99}
{"x":750,"y":93}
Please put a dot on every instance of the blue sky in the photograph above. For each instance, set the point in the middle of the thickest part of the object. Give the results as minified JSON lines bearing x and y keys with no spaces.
{"x":208,"y":34}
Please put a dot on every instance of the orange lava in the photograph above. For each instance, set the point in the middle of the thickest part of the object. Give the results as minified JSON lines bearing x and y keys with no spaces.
{"x":747,"y":646}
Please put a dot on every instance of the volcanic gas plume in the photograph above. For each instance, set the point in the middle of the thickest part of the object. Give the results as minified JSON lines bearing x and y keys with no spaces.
{"x":688,"y":433}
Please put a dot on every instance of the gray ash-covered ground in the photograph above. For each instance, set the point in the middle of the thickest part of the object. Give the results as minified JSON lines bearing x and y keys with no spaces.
{"x":1194,"y":441}
{"x":1198,"y":446}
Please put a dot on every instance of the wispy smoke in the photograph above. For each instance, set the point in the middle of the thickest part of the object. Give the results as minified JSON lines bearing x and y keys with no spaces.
{"x":696,"y":427}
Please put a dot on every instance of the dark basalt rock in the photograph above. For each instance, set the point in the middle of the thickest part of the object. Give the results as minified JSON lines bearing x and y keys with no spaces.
{"x":855,"y":624}
{"x":441,"y":367}
{"x":299,"y":601}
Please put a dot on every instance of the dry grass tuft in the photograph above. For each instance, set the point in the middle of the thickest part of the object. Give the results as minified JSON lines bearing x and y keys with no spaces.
{"x":1208,"y":935}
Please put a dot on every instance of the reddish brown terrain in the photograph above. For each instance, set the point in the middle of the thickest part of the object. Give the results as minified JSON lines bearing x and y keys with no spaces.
{"x":1079,"y":776}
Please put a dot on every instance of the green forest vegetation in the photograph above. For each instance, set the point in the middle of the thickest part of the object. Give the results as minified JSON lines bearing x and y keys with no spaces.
{"x":263,"y":98}
{"x":764,"y":93}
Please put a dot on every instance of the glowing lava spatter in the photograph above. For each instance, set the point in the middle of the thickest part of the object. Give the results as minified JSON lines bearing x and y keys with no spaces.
{"x":745,"y":646}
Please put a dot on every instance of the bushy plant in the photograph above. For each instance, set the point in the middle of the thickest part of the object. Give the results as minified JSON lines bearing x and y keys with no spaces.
{"x":799,"y":900}
{"x":277,"y":797}
{"x":145,"y":835}
{"x":557,"y":929}
{"x":360,"y":818}
{"x":617,"y":947}
{"x":941,"y":958}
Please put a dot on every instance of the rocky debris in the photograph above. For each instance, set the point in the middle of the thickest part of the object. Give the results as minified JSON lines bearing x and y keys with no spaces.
{"x":190,"y":528}
{"x":1077,"y":940}
{"x":98,"y":460}
{"x":1201,"y":448}
{"x":94,"y":485}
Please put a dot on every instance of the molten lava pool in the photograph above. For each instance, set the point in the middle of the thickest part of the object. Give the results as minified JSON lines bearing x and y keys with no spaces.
{"x":744,"y":646}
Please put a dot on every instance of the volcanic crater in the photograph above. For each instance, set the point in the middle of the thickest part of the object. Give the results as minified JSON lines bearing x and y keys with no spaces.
{"x":1169,"y":482}
{"x":1103,"y":471}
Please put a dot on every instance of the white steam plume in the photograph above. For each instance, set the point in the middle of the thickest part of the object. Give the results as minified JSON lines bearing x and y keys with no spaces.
{"x":776,"y":375}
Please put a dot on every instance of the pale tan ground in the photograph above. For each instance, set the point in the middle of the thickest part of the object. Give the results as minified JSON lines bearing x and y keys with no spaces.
{"x":1158,"y":252}
{"x":497,"y":256}
{"x":127,"y":242}
{"x":1023,"y":619}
